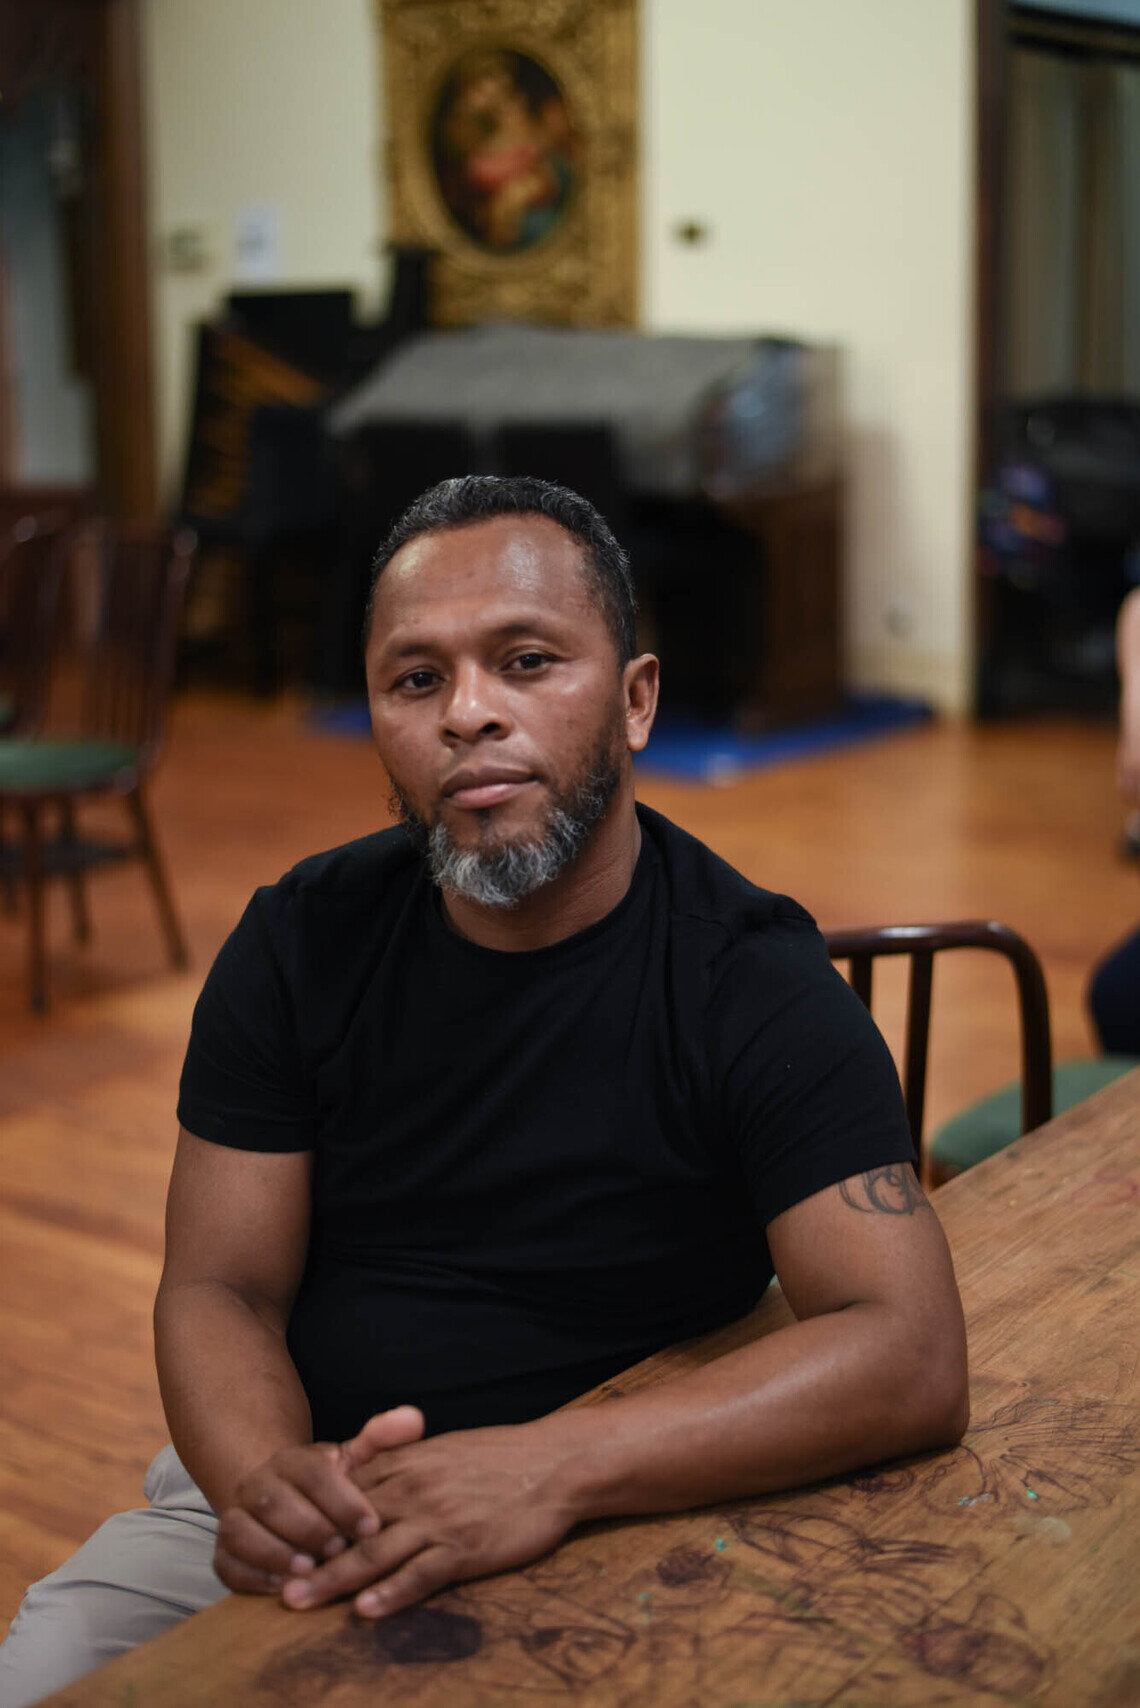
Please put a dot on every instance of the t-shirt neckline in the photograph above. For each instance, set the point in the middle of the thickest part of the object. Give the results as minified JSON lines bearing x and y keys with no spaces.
{"x":566,"y":947}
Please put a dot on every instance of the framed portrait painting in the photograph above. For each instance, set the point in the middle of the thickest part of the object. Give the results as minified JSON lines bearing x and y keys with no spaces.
{"x":512,"y":152}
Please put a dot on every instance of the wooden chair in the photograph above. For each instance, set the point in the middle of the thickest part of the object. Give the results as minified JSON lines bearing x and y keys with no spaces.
{"x":31,"y":565}
{"x":128,"y":584}
{"x":860,"y":948}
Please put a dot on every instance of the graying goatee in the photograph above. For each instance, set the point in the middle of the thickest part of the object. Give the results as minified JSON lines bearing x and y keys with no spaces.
{"x":500,"y":876}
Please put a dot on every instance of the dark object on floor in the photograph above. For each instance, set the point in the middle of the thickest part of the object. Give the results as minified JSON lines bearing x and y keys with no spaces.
{"x":861,"y":947}
{"x":129,"y":584}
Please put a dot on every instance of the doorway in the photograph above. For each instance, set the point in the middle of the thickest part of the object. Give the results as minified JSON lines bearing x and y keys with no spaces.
{"x":76,"y":397}
{"x":1058,"y":464}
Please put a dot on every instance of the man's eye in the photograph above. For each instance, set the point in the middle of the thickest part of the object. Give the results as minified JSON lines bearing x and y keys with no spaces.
{"x":529,"y":661}
{"x":417,"y":679}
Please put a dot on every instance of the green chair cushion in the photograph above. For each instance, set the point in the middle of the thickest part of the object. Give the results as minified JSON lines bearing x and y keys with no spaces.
{"x":31,"y":766}
{"x":995,"y":1121}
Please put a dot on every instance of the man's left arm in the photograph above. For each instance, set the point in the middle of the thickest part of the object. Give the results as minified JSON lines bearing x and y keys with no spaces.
{"x":873,"y":1368}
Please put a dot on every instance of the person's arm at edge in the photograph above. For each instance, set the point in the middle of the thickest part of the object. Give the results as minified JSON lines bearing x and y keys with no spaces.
{"x":874,"y":1368}
{"x":1128,"y":667}
{"x":237,"y":1225}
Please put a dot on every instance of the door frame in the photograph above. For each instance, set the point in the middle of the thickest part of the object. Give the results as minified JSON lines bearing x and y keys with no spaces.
{"x":116,"y":252}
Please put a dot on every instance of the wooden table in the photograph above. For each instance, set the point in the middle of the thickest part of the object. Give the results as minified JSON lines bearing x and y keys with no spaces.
{"x":1006,"y":1571}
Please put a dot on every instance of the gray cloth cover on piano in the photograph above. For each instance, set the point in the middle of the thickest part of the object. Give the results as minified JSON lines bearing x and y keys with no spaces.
{"x":648,"y":389}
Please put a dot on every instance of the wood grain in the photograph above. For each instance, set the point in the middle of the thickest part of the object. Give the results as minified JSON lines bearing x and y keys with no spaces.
{"x":1018,"y":822}
{"x":1005,"y":1569}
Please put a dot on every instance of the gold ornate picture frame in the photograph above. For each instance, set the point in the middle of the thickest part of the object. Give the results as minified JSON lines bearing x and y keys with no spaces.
{"x":512,"y":152}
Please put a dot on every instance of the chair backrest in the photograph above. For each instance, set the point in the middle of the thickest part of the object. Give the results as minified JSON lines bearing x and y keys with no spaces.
{"x":131,"y":580}
{"x":862,"y":946}
{"x":31,"y":567}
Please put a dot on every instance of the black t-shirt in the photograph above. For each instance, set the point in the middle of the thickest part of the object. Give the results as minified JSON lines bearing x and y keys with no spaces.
{"x":531,"y":1169}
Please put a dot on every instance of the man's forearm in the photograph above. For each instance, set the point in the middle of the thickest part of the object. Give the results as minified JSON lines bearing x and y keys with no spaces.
{"x":873,"y":1367}
{"x":229,"y":1387}
{"x":812,"y":1400}
{"x":839,"y":1389}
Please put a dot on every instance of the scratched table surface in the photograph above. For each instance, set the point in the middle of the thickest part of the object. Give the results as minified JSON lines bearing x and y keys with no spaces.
{"x":1006,"y":1570}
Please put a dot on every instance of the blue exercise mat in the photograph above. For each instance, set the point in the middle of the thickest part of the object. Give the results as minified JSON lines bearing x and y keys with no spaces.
{"x":698,"y":752}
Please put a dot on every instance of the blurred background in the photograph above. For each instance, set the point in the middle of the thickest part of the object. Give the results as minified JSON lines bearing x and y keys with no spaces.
{"x":941,"y":200}
{"x":832,"y":306}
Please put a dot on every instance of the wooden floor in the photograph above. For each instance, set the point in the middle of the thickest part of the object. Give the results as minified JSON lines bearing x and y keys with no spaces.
{"x":1019,"y":824}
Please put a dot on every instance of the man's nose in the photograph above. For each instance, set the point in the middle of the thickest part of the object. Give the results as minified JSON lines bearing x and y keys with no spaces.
{"x":475,"y":706}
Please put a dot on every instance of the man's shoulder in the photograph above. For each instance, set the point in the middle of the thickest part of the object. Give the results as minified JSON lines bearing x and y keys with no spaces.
{"x":743,"y":956}
{"x":359,"y":864}
{"x":362,"y":874}
{"x":705,"y":889}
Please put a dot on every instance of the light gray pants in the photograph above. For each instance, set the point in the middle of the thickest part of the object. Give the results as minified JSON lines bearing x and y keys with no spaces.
{"x":139,"y":1574}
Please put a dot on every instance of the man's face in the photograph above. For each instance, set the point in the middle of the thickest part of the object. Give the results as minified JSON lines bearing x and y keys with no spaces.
{"x":496,"y":696}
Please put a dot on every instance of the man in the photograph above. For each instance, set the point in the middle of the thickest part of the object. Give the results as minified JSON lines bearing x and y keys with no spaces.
{"x":478,"y":1111}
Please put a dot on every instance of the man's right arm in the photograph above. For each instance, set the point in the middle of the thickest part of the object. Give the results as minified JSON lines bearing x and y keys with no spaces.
{"x":237,"y":1227}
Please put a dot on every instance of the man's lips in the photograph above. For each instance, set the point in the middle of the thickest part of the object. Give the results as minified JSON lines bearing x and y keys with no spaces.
{"x":474,"y":789}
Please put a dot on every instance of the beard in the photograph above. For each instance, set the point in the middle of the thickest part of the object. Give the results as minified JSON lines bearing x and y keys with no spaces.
{"x":503,"y":872}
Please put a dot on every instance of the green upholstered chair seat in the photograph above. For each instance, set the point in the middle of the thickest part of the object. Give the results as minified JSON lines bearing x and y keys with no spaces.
{"x":42,"y":767}
{"x":995,"y":1121}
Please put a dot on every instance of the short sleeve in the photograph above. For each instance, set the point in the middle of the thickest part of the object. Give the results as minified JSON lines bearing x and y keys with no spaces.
{"x":807,"y":1090}
{"x":244,"y":1082}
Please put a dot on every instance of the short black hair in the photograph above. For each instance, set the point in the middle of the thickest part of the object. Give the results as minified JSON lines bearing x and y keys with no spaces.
{"x":480,"y":497}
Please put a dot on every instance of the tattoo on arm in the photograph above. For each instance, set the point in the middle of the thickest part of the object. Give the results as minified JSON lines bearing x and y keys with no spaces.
{"x":889,"y":1191}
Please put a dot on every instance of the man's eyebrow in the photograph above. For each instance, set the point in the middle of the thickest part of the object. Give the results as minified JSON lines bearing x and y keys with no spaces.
{"x":537,"y":625}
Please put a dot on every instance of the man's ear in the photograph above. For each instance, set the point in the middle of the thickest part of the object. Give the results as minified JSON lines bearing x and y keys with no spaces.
{"x":640,"y":681}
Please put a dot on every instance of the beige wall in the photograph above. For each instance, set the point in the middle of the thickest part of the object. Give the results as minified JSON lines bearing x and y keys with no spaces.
{"x":249,"y":102}
{"x":826,"y":144}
